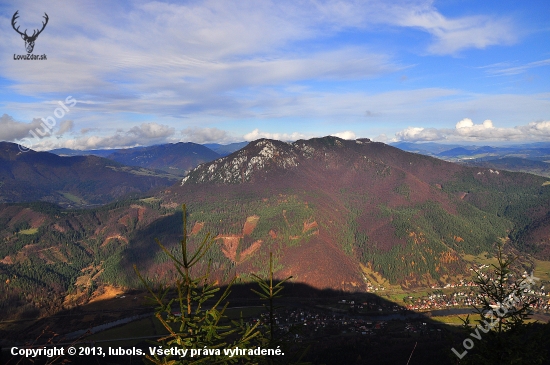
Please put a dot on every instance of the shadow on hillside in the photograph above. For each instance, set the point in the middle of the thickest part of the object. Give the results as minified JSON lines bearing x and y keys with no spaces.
{"x":339,"y":328}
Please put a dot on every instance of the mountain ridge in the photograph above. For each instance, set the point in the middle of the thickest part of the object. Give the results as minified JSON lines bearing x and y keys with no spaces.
{"x":71,"y":181}
{"x":334,"y":213}
{"x":176,"y":158}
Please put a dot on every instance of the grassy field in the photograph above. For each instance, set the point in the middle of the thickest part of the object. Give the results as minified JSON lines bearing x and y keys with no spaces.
{"x":72,"y":197}
{"x":144,"y":172}
{"x":480,"y":259}
{"x":396,"y":295}
{"x":374,"y":277}
{"x":542,"y":270}
{"x":150,"y":200}
{"x":455,"y":320}
{"x":29,"y":231}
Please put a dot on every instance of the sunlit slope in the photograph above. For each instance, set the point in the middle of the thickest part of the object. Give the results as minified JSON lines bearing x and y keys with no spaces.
{"x":332,"y":212}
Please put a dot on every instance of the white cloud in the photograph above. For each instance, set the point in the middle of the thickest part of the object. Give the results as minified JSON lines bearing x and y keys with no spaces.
{"x":152,"y":131}
{"x":344,"y":135}
{"x":474,"y":32}
{"x":465,"y":123}
{"x":11,"y":129}
{"x":383,"y":138}
{"x":142,"y":135}
{"x":88,"y":130}
{"x":206,"y":135}
{"x":419,"y":134}
{"x":535,"y":129}
{"x":193,"y":48}
{"x":504,"y":69}
{"x":466,"y":130}
{"x":193,"y":53}
{"x":65,"y":126}
{"x":450,"y":35}
{"x":257,"y":134}
{"x":215,"y":60}
{"x":454,"y":35}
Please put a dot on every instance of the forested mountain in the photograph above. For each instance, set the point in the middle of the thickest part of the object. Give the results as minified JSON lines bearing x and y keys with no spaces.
{"x":533,"y":158}
{"x":533,"y":151}
{"x":517,"y":164}
{"x":174,"y":158}
{"x":71,"y":181}
{"x":334,"y":213}
{"x":225,"y":149}
{"x":70,"y":152}
{"x":428,"y":148}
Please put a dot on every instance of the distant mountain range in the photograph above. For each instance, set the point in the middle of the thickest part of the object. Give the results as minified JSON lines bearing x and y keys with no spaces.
{"x":70,"y":181}
{"x":177,"y":158}
{"x":225,"y":149}
{"x":427,"y":148}
{"x":528,"y":150}
{"x":173,"y":158}
{"x":69,"y":152}
{"x":532,"y":157}
{"x":74,"y":178}
{"x":335,"y":214}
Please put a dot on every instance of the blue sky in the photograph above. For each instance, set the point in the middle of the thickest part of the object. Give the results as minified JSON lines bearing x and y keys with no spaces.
{"x":224,"y":71}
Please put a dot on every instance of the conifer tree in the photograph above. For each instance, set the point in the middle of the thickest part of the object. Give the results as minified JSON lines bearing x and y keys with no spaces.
{"x":502,"y":334}
{"x":197,"y":325}
{"x":194,"y":325}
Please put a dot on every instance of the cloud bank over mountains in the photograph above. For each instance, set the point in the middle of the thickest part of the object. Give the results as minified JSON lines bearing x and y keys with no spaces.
{"x":154,"y":133}
{"x":466,"y":130}
{"x":225,"y":70}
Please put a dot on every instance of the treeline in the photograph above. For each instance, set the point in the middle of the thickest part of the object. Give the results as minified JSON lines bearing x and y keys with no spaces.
{"x":433,"y":238}
{"x":352,"y":237}
{"x":283,"y":216}
{"x":514,"y":196}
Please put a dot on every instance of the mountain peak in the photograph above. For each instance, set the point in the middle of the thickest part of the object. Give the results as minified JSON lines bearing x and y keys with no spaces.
{"x":265,"y":155}
{"x":9,"y":150}
{"x":241,"y":165}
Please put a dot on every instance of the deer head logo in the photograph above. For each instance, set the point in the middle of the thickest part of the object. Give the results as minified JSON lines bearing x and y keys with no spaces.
{"x":29,"y":40}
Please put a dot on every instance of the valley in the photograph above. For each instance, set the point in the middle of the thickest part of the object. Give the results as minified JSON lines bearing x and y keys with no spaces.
{"x":348,"y":217}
